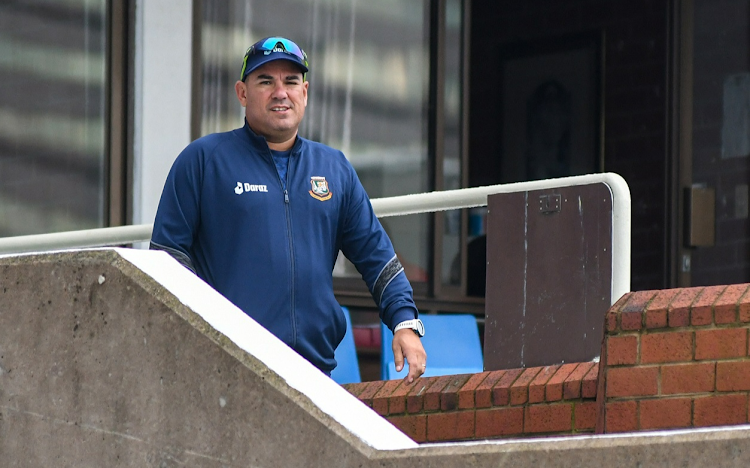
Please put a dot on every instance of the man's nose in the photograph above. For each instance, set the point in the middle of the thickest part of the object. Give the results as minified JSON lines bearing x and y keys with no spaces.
{"x":279,"y":91}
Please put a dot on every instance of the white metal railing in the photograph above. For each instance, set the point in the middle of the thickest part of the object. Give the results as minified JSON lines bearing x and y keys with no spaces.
{"x":392,"y":206}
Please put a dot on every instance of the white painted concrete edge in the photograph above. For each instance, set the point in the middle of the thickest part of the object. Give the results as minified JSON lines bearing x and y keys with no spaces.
{"x":249,"y":336}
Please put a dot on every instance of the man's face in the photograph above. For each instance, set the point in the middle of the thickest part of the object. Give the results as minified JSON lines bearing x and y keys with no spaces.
{"x":274,"y":97}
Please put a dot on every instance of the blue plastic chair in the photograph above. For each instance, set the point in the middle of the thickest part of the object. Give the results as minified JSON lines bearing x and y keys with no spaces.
{"x":451,"y":342}
{"x":347,"y":368}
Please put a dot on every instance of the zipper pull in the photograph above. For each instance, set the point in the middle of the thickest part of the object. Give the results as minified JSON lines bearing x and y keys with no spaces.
{"x":286,"y":197}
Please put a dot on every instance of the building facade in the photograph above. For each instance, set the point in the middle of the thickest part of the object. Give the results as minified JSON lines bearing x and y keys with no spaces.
{"x":99,"y":97}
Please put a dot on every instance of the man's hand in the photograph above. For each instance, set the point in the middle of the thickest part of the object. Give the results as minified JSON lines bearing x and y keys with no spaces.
{"x":406,"y":344}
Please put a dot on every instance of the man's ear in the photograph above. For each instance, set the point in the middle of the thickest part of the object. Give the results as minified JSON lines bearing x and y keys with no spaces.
{"x":241,"y":90}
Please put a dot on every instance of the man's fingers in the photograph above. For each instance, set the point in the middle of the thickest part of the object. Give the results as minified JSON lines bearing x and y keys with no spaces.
{"x":398,"y":357}
{"x":414,"y":371}
{"x":408,"y":346}
{"x":417,"y":360}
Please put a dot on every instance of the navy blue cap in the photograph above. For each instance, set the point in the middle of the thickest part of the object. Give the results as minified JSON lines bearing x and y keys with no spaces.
{"x":269,"y":49}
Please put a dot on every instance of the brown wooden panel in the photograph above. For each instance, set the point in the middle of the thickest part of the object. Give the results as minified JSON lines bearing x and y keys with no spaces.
{"x":549,"y":275}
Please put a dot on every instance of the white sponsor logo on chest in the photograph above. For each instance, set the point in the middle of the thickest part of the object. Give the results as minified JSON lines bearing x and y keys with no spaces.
{"x":246,"y":187}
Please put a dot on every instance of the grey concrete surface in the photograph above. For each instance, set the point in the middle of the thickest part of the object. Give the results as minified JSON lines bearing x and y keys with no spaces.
{"x":100,"y":366}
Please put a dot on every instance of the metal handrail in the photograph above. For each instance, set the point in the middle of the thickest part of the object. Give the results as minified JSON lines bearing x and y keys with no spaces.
{"x":384,"y":207}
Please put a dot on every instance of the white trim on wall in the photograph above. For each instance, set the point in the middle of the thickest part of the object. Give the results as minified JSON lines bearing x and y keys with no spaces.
{"x":162,"y":106}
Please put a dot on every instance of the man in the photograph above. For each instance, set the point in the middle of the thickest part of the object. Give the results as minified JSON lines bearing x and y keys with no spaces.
{"x":260,"y":214}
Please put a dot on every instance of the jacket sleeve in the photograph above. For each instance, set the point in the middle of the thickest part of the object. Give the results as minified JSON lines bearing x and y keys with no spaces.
{"x":366,"y":244}
{"x":178,"y":214}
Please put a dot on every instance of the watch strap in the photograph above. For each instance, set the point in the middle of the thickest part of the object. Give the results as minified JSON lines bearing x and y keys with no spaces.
{"x":414,"y":324}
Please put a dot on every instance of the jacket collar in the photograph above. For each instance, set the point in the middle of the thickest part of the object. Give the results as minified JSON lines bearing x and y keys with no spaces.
{"x":259,"y":142}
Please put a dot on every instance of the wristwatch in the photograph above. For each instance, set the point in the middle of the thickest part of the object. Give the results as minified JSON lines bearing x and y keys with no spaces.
{"x":414,"y":324}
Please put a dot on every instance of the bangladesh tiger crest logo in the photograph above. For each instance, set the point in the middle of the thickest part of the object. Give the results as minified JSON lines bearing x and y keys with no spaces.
{"x":320,"y":189}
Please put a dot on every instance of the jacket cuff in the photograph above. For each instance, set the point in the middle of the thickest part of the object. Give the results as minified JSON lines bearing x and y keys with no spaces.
{"x":402,"y":315}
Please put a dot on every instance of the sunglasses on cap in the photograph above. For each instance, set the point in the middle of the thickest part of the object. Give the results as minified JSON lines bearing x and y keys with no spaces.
{"x":261,"y":52}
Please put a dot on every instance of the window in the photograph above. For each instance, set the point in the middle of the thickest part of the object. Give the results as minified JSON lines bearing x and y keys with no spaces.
{"x":373,"y":85}
{"x":53,"y":116}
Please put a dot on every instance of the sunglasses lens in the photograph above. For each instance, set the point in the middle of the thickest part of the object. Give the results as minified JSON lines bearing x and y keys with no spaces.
{"x":289,"y":46}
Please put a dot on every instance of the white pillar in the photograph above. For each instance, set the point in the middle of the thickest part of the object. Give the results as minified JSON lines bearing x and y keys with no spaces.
{"x":163,"y":56}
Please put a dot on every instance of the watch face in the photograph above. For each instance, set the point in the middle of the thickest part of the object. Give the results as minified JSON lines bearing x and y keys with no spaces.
{"x":419,"y":327}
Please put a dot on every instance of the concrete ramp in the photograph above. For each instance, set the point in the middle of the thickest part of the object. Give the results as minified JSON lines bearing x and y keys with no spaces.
{"x":122,"y":357}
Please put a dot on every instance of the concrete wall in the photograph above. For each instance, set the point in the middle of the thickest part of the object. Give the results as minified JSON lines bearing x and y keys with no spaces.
{"x":124,"y":358}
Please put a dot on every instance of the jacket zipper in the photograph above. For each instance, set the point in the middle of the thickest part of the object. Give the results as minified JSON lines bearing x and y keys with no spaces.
{"x":291,"y":242}
{"x":291,"y":259}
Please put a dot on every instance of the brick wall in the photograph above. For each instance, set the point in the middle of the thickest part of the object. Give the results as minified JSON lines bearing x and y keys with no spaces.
{"x":675,"y":358}
{"x":506,"y":403}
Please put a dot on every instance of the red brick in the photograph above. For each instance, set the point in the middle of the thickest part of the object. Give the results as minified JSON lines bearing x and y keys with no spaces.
{"x":466,"y":393}
{"x":631,"y":321}
{"x":666,"y":347}
{"x":701,"y":312}
{"x":397,"y":400}
{"x":501,"y":390}
{"x":662,"y":299}
{"x":415,"y":397}
{"x":665,"y":413}
{"x":721,"y":343}
{"x":432,"y":394}
{"x":356,"y":388}
{"x":656,"y":319}
{"x":725,"y":307}
{"x":519,"y":391}
{"x":380,"y":400}
{"x":725,"y":315}
{"x":637,"y":302}
{"x":744,"y":307}
{"x":554,"y":391}
{"x":611,"y":321}
{"x":590,"y":382}
{"x":622,"y":350}
{"x":656,"y":312}
{"x":483,"y":395}
{"x":678,"y":312}
{"x":688,"y":378}
{"x":449,"y":395}
{"x":621,"y":416}
{"x":414,"y":426}
{"x":572,"y":385}
{"x":499,"y":422}
{"x":631,"y":314}
{"x":744,"y":311}
{"x":732,"y":376}
{"x":720,"y":410}
{"x":455,"y":425}
{"x":537,"y":386}
{"x":557,"y":417}
{"x":366,"y":395}
{"x":617,"y":306}
{"x":585,"y":415}
{"x":632,"y":381}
